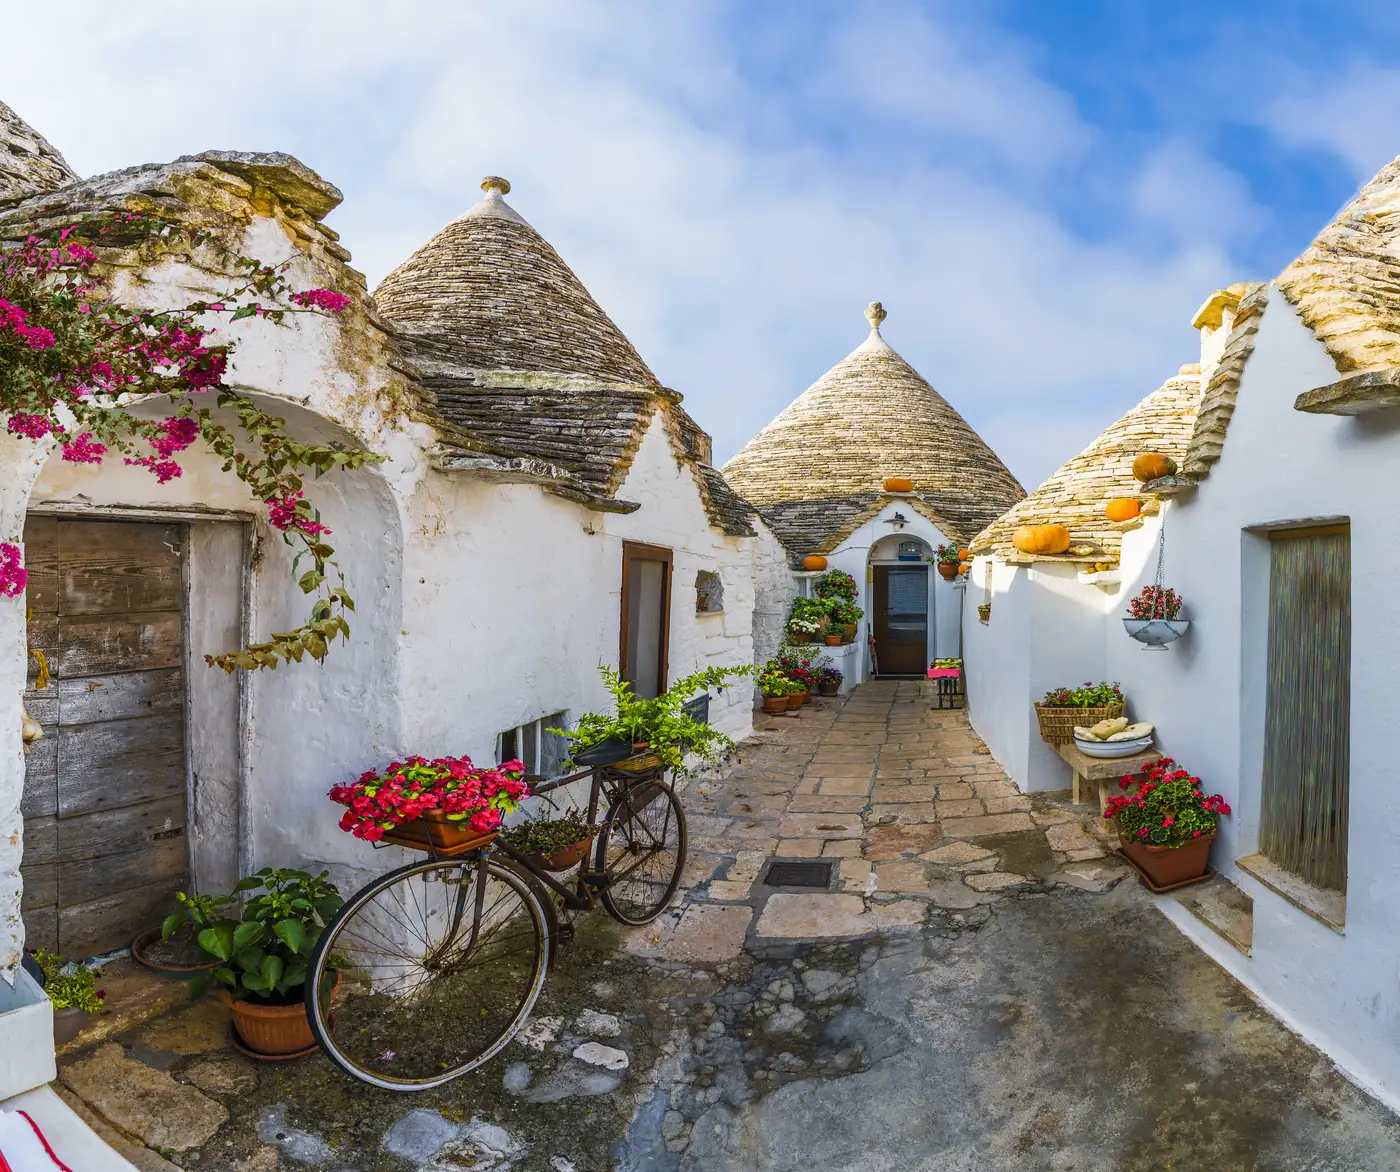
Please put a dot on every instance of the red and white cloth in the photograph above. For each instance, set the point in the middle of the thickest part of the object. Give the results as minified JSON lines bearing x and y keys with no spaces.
{"x":24,"y":1147}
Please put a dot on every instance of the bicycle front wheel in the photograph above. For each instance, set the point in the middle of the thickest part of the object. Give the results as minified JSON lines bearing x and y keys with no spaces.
{"x":641,"y":850}
{"x":437,"y":965}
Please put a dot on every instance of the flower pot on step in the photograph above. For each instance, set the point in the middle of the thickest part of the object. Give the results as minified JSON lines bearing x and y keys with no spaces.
{"x":1168,"y":866}
{"x":179,"y":957}
{"x":799,"y":637}
{"x":798,"y":699}
{"x":848,"y":632}
{"x":274,"y":1031}
{"x":832,"y":640}
{"x":830,"y":689}
{"x":775,"y":703}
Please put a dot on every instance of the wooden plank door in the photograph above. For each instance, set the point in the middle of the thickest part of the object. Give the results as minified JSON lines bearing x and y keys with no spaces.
{"x":901,"y":619}
{"x":646,"y":617}
{"x":105,"y":788}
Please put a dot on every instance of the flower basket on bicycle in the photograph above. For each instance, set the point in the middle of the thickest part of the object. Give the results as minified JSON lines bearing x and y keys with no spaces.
{"x":446,"y":806}
{"x":443,"y":959}
{"x":433,"y":832}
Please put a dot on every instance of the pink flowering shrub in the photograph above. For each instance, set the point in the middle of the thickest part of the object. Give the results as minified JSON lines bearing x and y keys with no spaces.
{"x":68,"y":350}
{"x":13,"y":576}
{"x":450,"y":786}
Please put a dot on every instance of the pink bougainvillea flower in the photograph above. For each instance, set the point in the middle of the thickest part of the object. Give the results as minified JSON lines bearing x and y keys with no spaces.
{"x":34,"y":427}
{"x":163,"y":470}
{"x":13,"y":576}
{"x":82,"y":449}
{"x":326,"y":299}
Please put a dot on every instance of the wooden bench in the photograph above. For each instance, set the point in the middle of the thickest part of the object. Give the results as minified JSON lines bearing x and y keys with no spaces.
{"x":1101,"y":771}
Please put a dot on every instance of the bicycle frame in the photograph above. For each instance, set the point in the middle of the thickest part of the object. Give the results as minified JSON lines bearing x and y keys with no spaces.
{"x":603,"y":784}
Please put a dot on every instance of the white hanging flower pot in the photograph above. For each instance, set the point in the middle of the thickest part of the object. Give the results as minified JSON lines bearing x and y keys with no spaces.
{"x":1155,"y":634}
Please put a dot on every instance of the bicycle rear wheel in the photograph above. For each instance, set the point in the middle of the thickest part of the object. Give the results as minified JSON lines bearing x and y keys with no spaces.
{"x":440,"y":963}
{"x":641,"y":850}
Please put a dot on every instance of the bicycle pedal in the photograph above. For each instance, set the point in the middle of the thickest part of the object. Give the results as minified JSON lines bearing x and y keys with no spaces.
{"x":566,"y":933}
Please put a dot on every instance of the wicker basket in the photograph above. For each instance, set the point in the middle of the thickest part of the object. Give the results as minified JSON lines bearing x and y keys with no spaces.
{"x":1057,"y":724}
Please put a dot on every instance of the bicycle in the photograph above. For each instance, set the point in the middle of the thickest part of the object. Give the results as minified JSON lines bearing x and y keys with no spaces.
{"x":428,"y":971}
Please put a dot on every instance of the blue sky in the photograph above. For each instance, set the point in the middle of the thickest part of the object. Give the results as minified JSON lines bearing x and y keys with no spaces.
{"x":1040,"y":193}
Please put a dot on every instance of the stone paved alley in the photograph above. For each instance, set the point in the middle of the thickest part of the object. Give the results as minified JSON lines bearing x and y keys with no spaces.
{"x":978,"y":989}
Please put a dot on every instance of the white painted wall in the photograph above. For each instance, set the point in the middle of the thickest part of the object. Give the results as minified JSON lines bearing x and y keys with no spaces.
{"x":874,"y":541}
{"x":1206,"y":693}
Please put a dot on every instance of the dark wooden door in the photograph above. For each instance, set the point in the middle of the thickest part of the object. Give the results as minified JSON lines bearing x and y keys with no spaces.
{"x":104,"y":794}
{"x":901,"y":619}
{"x":646,"y":617}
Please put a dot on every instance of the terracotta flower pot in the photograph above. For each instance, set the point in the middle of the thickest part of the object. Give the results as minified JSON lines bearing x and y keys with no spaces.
{"x":435,"y":832}
{"x":849,"y":632}
{"x":160,"y":956}
{"x":830,"y":689}
{"x":67,"y":1022}
{"x":775,"y":703}
{"x":1168,"y":866}
{"x":797,"y":699}
{"x":275,"y":1031}
{"x":798,"y":637}
{"x":832,"y":640}
{"x":948,"y":570}
{"x":562,"y":860}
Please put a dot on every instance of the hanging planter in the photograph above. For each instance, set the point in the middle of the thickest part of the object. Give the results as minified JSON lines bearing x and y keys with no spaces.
{"x":1156,"y":634}
{"x":1154,"y":616}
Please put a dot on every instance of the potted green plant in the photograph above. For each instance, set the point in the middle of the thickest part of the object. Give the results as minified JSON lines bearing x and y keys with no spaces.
{"x":947,"y":560}
{"x":776,"y":688}
{"x":173,"y":948}
{"x":847,"y":616}
{"x":556,"y":844}
{"x":1154,"y":618}
{"x":263,"y":958}
{"x":833,"y":635}
{"x":1166,"y":824}
{"x":72,"y":988}
{"x":1063,"y":708}
{"x":829,"y":681}
{"x":671,"y":735}
{"x":836,"y":585}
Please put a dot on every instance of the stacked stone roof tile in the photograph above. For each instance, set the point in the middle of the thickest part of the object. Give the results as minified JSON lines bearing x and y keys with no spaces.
{"x":815,"y":472}
{"x":517,"y":361}
{"x":1222,"y":391}
{"x":488,"y":293}
{"x":1076,"y":495}
{"x":29,"y":165}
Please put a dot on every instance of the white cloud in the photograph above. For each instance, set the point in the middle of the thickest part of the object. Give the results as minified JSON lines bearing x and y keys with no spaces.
{"x":1351,"y":110}
{"x":733,"y":226}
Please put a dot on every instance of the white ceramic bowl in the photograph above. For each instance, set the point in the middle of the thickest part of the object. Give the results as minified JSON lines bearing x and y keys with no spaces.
{"x":1113,"y":748}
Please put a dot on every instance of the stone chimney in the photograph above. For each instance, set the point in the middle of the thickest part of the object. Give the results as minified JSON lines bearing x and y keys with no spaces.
{"x":1215,"y":319}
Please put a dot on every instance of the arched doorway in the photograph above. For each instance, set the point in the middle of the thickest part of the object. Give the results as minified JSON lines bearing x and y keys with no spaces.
{"x":901,"y":605}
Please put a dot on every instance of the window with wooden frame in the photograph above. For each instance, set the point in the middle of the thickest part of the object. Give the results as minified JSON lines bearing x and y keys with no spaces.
{"x":646,"y":617}
{"x":1307,"y":729}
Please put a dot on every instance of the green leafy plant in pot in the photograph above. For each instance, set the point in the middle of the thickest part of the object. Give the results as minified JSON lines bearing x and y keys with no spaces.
{"x":669,"y":733}
{"x":71,"y":987}
{"x":556,"y":844}
{"x":264,"y":957}
{"x":173,"y":948}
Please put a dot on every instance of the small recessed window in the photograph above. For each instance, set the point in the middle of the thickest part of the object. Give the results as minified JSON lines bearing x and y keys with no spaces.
{"x":709,"y":593}
{"x":542,"y":751}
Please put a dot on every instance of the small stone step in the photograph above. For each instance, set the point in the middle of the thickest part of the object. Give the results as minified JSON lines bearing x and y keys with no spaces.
{"x":1224,"y":908}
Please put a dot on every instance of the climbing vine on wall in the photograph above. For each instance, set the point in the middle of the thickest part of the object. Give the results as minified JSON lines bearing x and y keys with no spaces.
{"x":73,"y":359}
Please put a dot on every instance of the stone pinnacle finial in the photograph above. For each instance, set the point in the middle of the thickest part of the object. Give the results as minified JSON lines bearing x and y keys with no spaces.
{"x":495,"y":185}
{"x":875,"y":314}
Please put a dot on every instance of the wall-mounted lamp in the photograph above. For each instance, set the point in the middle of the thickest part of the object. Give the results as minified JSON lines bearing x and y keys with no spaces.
{"x":899,"y":521}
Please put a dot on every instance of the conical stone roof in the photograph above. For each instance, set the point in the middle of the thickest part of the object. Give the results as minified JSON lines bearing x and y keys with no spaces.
{"x":488,"y":294}
{"x":815,"y":472}
{"x":29,"y":165}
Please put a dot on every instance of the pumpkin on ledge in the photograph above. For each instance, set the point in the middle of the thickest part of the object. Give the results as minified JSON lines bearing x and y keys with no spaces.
{"x":1153,"y":466}
{"x":1041,"y":539}
{"x":814,"y":562}
{"x":898,"y":484}
{"x":1123,"y":508}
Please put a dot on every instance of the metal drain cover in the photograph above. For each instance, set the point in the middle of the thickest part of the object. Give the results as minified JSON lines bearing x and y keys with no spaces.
{"x":783,"y":874}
